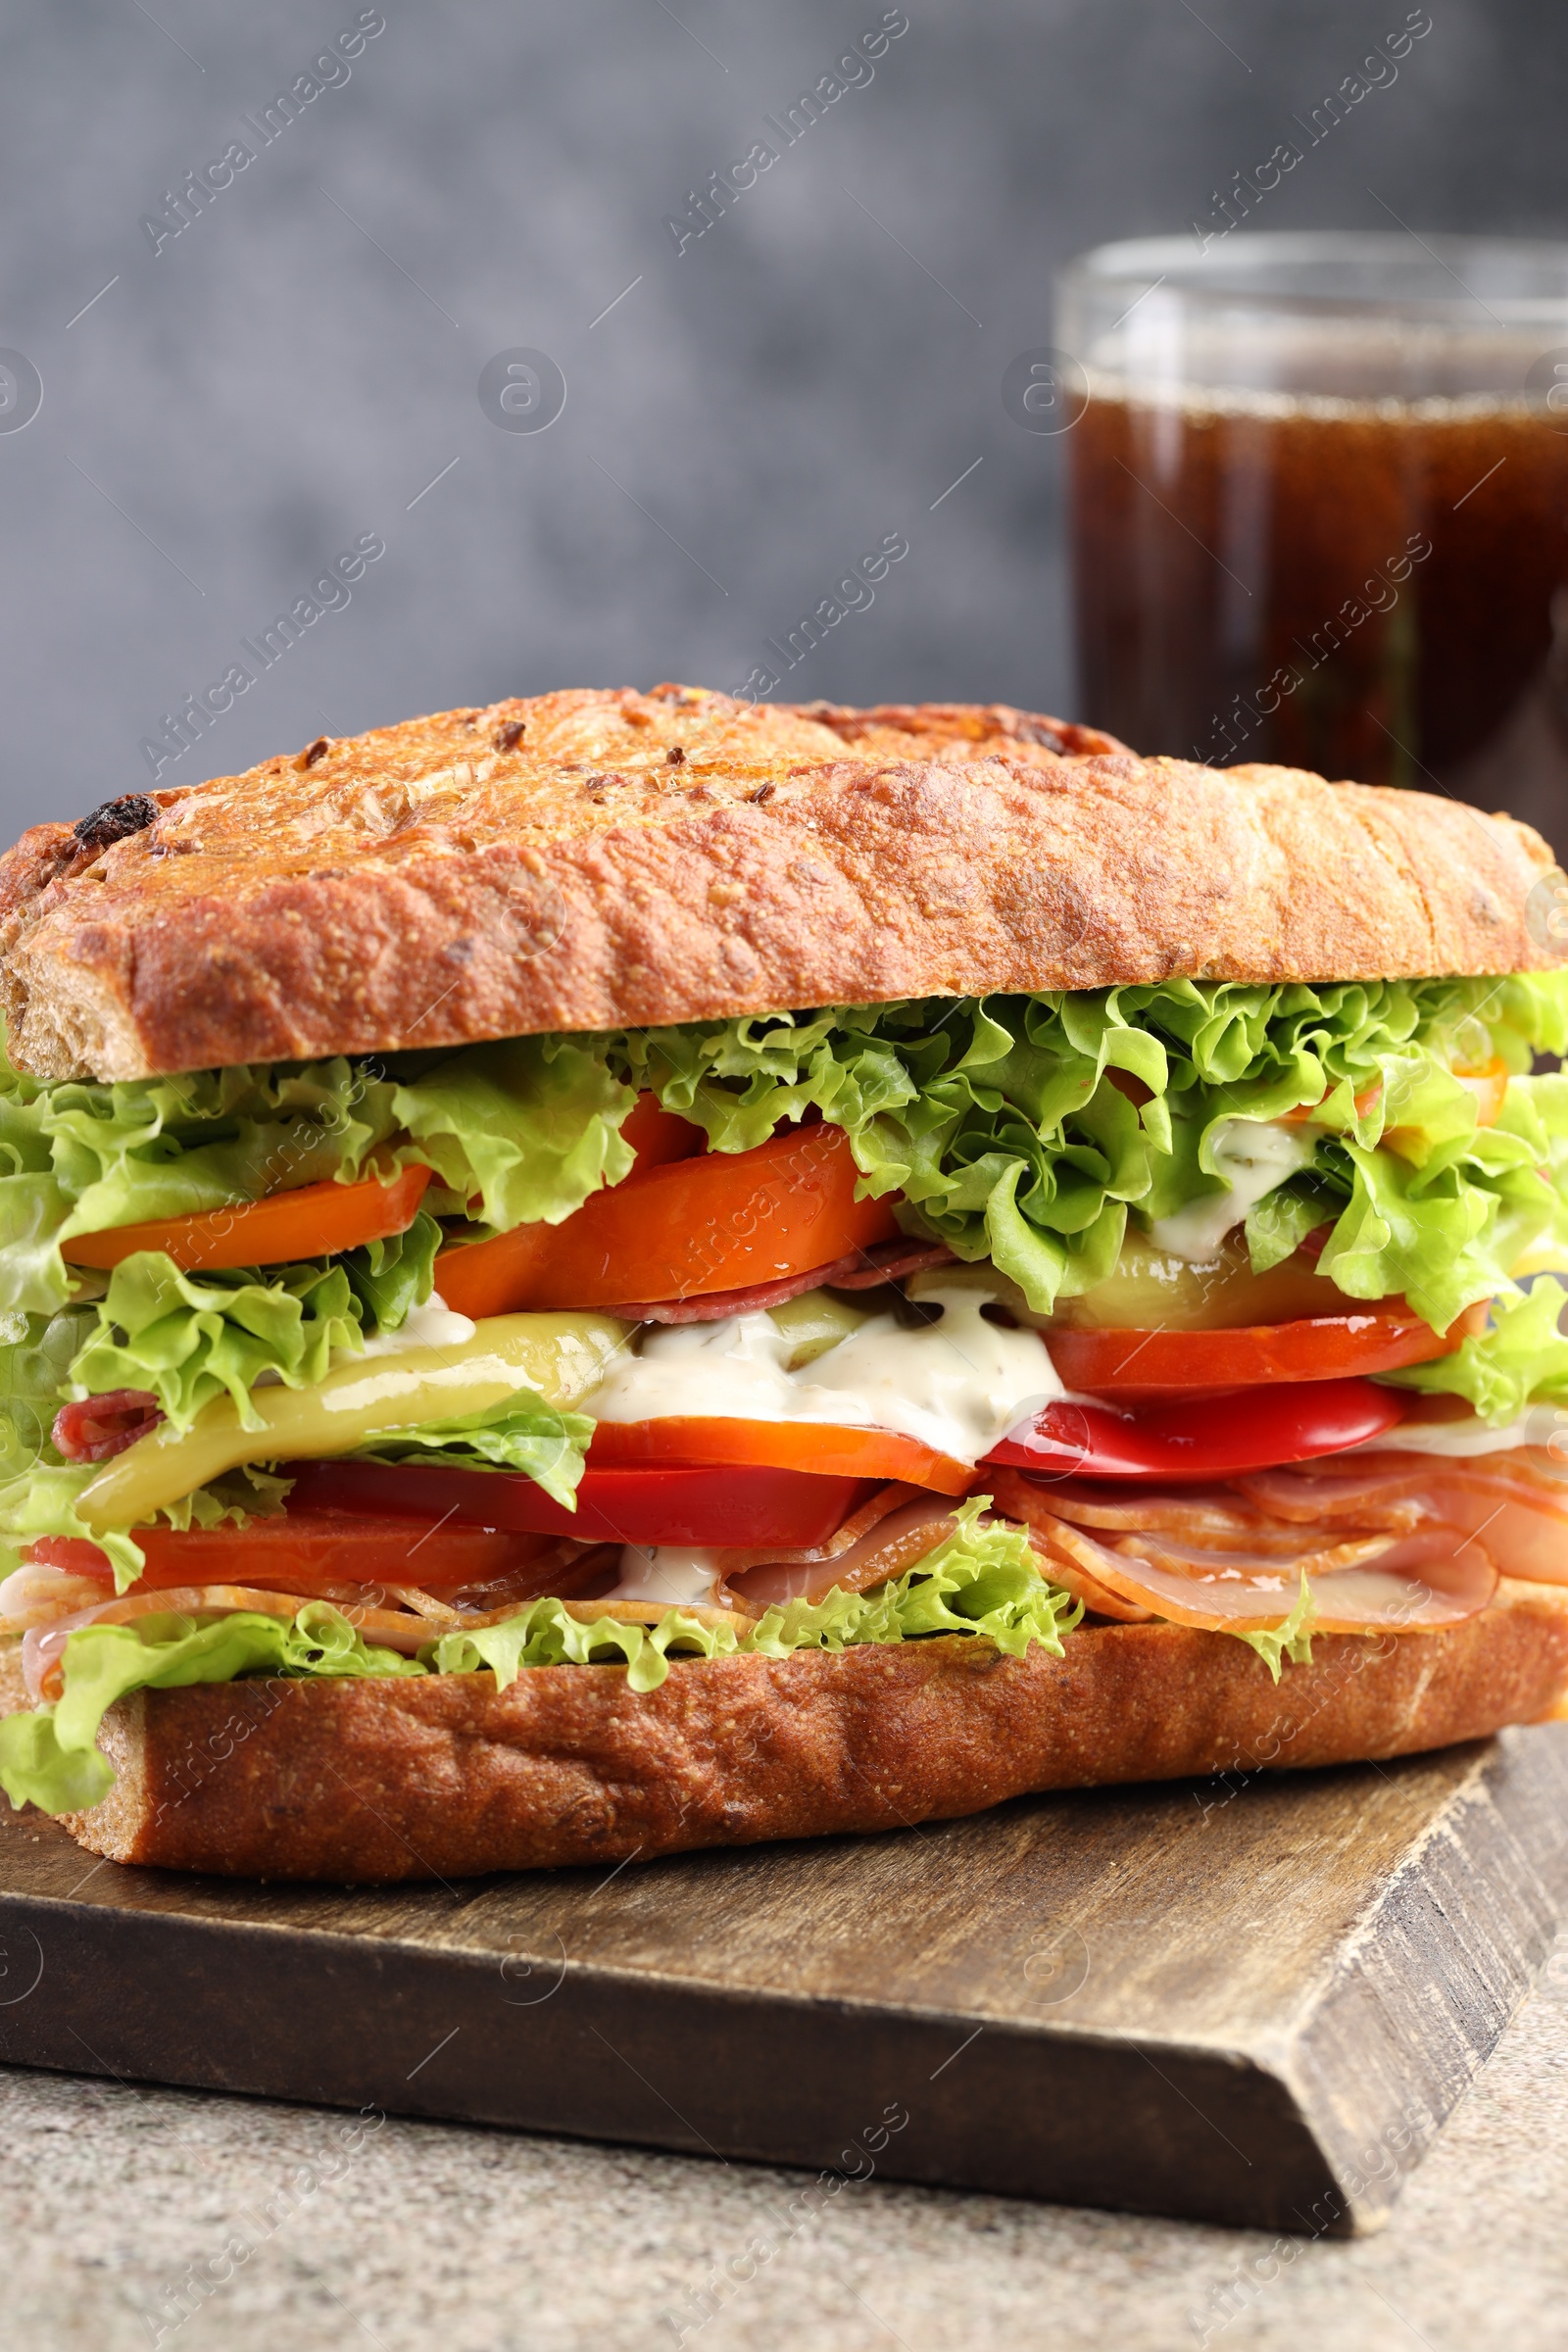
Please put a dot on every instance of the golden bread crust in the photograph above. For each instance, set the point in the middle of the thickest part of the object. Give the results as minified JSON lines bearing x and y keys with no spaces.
{"x":448,"y":880}
{"x":449,"y":1777}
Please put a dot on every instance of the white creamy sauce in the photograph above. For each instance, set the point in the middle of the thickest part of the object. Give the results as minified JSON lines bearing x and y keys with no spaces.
{"x":1543,"y":1425}
{"x":958,"y":1385}
{"x":669,"y":1573}
{"x":1252,"y":1155}
{"x":433,"y":1325}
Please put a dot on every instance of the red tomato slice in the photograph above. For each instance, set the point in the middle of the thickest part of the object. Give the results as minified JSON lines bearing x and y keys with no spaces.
{"x":307,"y":1548}
{"x":1142,"y":1366}
{"x":705,"y":1508}
{"x":658,"y":1135}
{"x":823,"y":1448}
{"x":316,"y":1221}
{"x":1257,"y":1429}
{"x":722,"y":1221}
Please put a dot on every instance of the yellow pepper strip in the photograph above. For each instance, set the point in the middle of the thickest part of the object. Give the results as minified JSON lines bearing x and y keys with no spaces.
{"x":560,"y":1355}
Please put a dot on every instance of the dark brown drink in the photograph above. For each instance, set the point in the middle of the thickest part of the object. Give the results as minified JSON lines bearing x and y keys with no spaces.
{"x":1319,"y":506}
{"x":1363,"y":589}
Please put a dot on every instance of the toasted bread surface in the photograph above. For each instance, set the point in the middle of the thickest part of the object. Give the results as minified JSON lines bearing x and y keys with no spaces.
{"x":449,"y":1776}
{"x":596,"y":859}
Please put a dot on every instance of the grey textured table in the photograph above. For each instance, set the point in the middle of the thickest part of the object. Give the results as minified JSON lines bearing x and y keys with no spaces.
{"x":115,"y":2199}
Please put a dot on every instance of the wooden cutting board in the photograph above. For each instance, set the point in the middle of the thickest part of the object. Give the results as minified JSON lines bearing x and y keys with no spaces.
{"x":1249,"y":2001}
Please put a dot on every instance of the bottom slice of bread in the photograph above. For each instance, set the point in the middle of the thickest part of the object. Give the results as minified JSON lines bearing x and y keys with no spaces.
{"x":448,"y":1776}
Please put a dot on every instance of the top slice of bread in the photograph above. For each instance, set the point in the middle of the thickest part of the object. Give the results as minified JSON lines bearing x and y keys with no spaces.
{"x":599,"y":858}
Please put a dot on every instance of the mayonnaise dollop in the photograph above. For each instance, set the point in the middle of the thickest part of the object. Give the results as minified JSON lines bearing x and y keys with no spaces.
{"x":958,"y":1385}
{"x":433,"y":1325}
{"x":669,"y":1573}
{"x":1252,"y":1155}
{"x":1541,"y":1425}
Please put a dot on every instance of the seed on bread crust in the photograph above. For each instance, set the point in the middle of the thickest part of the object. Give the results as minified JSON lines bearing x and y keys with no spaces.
{"x":114,"y":820}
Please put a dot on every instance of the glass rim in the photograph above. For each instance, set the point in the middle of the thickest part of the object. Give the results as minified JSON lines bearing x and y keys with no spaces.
{"x":1233,"y":272}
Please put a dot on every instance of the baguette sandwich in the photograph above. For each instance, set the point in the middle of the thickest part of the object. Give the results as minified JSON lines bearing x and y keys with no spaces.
{"x":626,"y":1272}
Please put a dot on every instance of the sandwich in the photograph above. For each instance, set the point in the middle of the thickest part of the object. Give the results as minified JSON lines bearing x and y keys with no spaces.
{"x":625,"y":1272}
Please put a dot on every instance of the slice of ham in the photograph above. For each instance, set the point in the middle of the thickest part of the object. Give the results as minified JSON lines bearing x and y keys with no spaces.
{"x":902,"y":1538}
{"x":1430,"y":1579}
{"x":566,"y":1569}
{"x":862,"y":1270}
{"x":1446,"y":1578}
{"x":1311,"y":1489}
{"x":1239,"y":1570}
{"x":32,"y":1596}
{"x":1515,"y":1500}
{"x":1077,"y":1577}
{"x":1214,"y":1512}
{"x":1212,"y":1524}
{"x":93,"y":1428}
{"x":1262,"y":1561}
{"x":1128,"y":1587}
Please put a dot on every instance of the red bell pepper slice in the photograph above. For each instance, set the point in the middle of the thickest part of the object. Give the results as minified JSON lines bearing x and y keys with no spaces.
{"x":1255,"y":1429}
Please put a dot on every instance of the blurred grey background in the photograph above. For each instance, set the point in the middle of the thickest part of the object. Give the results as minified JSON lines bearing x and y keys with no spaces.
{"x":300,"y":364}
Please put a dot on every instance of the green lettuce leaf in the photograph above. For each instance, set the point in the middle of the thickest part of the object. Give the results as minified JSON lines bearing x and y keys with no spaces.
{"x":521,"y":1433}
{"x":530,"y":1126}
{"x":1445,"y":1211}
{"x":546,"y":1634}
{"x":1520,"y":1359}
{"x":50,"y":1754}
{"x":525,"y":1130}
{"x":1292,"y":1639}
{"x":43,"y":1502}
{"x":390,"y":1278}
{"x":78,"y":1158}
{"x":985,"y":1580}
{"x":1002,"y":1124}
{"x":35,"y":1358}
{"x":39,"y":1490}
{"x":188,"y":1338}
